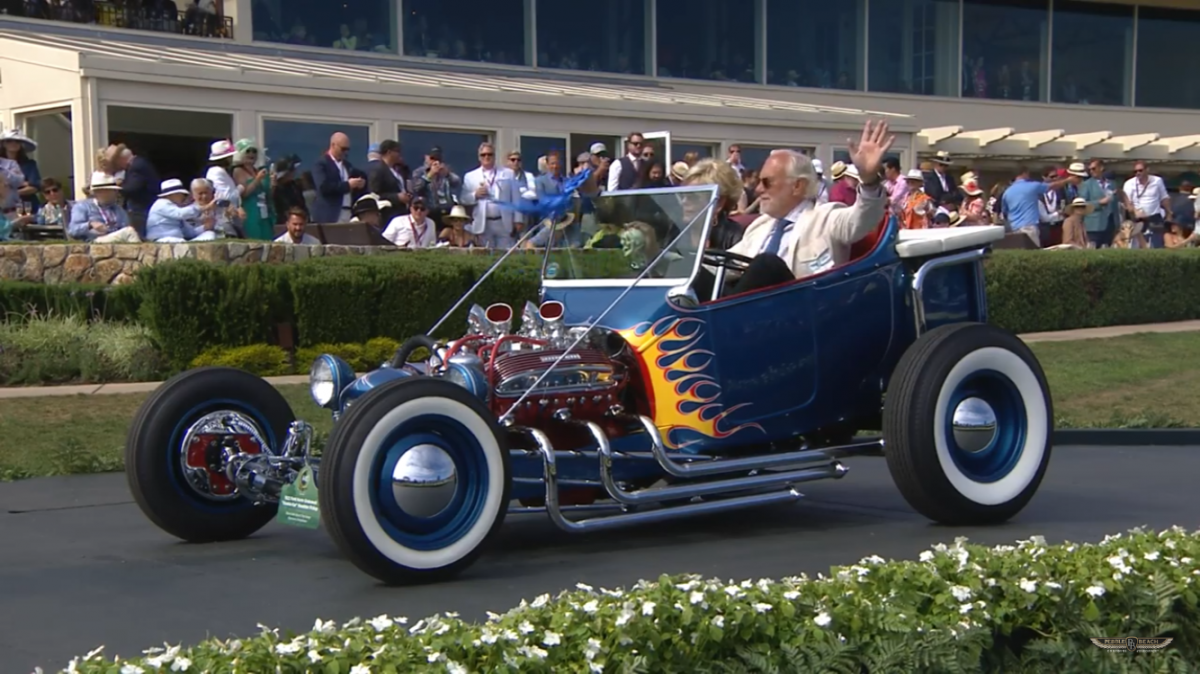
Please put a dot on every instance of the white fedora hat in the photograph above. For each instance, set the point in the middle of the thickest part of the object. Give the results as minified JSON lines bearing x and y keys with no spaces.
{"x":942,"y":157}
{"x":915,"y":174}
{"x":172,"y":186}
{"x":103,"y":181}
{"x":221,"y":149}
{"x":1078,"y":169}
{"x":25,"y":141}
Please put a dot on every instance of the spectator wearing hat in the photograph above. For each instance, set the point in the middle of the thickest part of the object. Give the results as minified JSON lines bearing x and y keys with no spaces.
{"x":369,"y":210}
{"x":455,"y":235}
{"x":974,"y":207}
{"x":415,"y":230}
{"x":1090,"y":184}
{"x":938,"y":180}
{"x":139,"y":183}
{"x":289,"y":188}
{"x":225,"y":188}
{"x":254,"y":186}
{"x":389,"y":179}
{"x":170,"y":218}
{"x":297,"y":221}
{"x":100,"y":218}
{"x":336,"y":180}
{"x":918,"y":209}
{"x":845,"y":183}
{"x":1074,"y":233}
{"x":16,"y":147}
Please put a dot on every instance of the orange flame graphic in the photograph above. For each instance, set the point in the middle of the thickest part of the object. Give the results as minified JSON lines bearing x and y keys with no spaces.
{"x":685,"y":397}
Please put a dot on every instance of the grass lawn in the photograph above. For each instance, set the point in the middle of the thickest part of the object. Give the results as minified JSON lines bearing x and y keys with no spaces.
{"x":1137,"y":381}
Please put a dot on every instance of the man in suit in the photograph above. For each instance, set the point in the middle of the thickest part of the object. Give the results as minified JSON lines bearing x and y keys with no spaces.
{"x":939,"y":182}
{"x":139,"y":187}
{"x":332,"y":176}
{"x":795,"y":237}
{"x":488,"y":188}
{"x":389,"y":178}
{"x":624,"y":172}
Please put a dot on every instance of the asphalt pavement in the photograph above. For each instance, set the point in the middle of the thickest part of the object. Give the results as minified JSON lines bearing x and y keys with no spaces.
{"x":81,"y":567}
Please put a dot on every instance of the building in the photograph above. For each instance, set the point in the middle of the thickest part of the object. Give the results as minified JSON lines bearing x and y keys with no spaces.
{"x":995,"y":82}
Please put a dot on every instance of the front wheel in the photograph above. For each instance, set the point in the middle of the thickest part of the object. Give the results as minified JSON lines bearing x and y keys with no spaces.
{"x":968,"y":423}
{"x":414,"y":481}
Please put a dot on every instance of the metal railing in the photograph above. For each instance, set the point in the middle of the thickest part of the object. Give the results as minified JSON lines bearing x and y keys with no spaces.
{"x":120,"y":15}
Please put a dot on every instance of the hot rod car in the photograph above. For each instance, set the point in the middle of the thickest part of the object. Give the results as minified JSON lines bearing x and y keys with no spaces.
{"x":621,"y":397}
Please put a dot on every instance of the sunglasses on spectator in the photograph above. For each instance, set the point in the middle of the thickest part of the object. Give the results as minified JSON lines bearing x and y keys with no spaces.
{"x":487,"y":154}
{"x":51,"y":190}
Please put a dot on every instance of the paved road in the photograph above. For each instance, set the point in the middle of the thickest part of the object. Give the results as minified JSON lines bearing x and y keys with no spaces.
{"x":80,"y":566}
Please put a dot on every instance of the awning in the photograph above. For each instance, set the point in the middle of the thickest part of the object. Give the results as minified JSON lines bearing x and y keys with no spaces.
{"x":1058,"y":144}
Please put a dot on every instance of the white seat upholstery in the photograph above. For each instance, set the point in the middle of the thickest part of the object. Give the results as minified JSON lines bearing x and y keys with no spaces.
{"x":925,"y":242}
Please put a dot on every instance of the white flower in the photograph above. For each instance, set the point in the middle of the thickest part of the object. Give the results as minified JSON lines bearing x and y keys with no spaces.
{"x":1027,"y":585}
{"x":360,"y":669}
{"x":624,"y":617}
{"x":966,"y":608}
{"x":873,"y":559}
{"x":583,"y":586}
{"x":762,"y":608}
{"x":961,"y":593}
{"x":791,"y":595}
{"x":314,"y":657}
{"x":1052,"y":585}
{"x":926,"y":556}
{"x":990,"y":582}
{"x":1096,"y":590}
{"x":525,"y":627}
{"x":1151,"y":556}
{"x":324,"y":627}
{"x":434,"y":657}
{"x":540,"y":601}
{"x":696,"y":597}
{"x":591,"y":607}
{"x":181,"y":664}
{"x":92,"y":654}
{"x":552,"y":639}
{"x":1170,"y":543}
{"x":596,"y":668}
{"x":132,"y":669}
{"x":822,"y":619}
{"x":719,"y":622}
{"x":648,"y":608}
{"x":734,"y":591}
{"x":287,"y":649}
{"x":455,"y":668}
{"x":380,"y":623}
{"x":688,"y":586}
{"x":532,"y":652}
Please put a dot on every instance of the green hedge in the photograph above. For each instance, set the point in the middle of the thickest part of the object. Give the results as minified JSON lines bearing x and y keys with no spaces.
{"x":193,"y":306}
{"x":962,"y":608}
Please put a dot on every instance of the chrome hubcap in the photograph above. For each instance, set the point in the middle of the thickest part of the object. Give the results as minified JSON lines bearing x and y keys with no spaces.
{"x":424,"y":481}
{"x":974,"y":425}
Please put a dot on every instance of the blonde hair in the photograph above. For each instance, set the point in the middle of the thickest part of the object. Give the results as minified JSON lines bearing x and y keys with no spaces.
{"x":713,"y":172}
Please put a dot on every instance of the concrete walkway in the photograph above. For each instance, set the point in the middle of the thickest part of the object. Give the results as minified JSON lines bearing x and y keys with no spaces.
{"x":146,"y":387}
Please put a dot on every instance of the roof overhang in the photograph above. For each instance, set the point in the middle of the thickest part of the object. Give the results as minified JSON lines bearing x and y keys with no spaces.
{"x":1057,"y":144}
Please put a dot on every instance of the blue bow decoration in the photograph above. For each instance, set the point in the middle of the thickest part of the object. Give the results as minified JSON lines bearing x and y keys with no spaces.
{"x":553,"y":206}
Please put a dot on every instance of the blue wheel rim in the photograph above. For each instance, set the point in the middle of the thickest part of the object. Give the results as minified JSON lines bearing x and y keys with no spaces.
{"x":470,"y":495}
{"x":995,"y":461}
{"x":175,"y":445}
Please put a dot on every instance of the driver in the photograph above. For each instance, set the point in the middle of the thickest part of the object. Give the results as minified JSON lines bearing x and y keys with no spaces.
{"x":795,"y":238}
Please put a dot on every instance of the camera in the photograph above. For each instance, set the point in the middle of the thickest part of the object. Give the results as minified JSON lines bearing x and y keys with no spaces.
{"x":287,"y":163}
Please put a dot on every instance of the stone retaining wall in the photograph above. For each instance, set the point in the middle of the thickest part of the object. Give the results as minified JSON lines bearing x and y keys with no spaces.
{"x":119,"y":262}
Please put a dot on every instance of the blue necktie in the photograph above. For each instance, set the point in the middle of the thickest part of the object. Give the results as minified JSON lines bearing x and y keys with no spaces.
{"x":776,"y":236}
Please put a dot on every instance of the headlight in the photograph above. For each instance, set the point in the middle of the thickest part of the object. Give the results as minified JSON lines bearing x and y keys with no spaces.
{"x":327,"y":378}
{"x":469,"y":378}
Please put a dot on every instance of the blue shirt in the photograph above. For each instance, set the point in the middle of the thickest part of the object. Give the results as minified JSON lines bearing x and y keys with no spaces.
{"x":166,"y":219}
{"x":84,"y":213}
{"x":1020,"y":202}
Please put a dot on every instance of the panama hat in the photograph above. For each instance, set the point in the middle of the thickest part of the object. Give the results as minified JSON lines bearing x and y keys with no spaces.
{"x":943,"y":158}
{"x":169,"y":187}
{"x":1077,"y":169}
{"x":679,"y":170}
{"x":369,"y":203}
{"x":103,"y":181}
{"x":915,"y":174}
{"x":837,"y":170}
{"x":456,"y":213}
{"x":26,"y":142}
{"x":956,"y":219}
{"x":968,"y":177}
{"x":1080,"y":202}
{"x":972,"y":188}
{"x":221,"y":150}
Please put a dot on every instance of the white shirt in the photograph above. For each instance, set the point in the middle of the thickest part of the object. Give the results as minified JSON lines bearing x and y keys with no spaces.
{"x":402,"y":232}
{"x":789,"y":230}
{"x":306,"y":240}
{"x":224,"y":187}
{"x":1147,"y":198}
{"x":614,"y":171}
{"x":345,"y":176}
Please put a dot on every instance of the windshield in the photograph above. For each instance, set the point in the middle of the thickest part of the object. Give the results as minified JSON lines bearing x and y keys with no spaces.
{"x":620,"y":234}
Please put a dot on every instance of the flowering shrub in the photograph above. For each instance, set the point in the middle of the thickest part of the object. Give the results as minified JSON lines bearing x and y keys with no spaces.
{"x":1029,"y":607}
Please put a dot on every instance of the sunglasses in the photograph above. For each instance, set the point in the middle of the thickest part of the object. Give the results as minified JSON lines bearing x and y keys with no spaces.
{"x":487,"y":154}
{"x":51,"y":190}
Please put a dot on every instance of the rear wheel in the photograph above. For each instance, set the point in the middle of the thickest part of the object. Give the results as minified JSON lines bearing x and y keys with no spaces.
{"x":176,"y":447}
{"x":415,"y":481}
{"x":967,"y":424}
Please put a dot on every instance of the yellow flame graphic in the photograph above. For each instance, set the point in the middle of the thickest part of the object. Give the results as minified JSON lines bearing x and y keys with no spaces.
{"x":685,"y":397}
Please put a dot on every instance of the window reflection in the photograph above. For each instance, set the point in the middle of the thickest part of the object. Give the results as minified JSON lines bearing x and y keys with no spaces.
{"x":1004,"y":49}
{"x":706,"y":40}
{"x":914,"y":47}
{"x":310,"y":140}
{"x":1166,"y":64}
{"x":814,"y":43}
{"x":458,"y":148}
{"x":753,"y":156}
{"x":536,"y":147}
{"x":691,"y":152}
{"x":1083,"y":31}
{"x":355,"y":25}
{"x":615,"y":42}
{"x":492,"y":31}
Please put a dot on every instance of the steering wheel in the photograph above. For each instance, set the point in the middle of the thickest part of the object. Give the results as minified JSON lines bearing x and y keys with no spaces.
{"x":723,"y":258}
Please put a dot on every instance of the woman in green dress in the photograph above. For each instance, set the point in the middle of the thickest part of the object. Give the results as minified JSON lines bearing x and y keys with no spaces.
{"x":258,"y":221}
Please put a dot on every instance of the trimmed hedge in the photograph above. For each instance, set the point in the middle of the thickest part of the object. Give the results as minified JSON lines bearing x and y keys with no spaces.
{"x":961,"y":608}
{"x":193,"y":306}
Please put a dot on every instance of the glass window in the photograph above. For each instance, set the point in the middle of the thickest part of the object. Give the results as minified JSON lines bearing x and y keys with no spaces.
{"x":491,"y":31}
{"x":356,"y":25}
{"x":753,"y":157}
{"x":1165,"y":61}
{"x":815,"y":43}
{"x":533,"y":147}
{"x":914,"y":47}
{"x":1081,"y":31}
{"x":682,"y":151}
{"x":1005,"y":49}
{"x":706,"y":40}
{"x":310,"y":140}
{"x":460,"y":149}
{"x":582,"y":142}
{"x":617,"y":42}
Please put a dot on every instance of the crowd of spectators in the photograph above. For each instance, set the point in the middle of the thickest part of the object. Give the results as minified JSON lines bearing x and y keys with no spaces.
{"x":202,"y":18}
{"x":244,"y":194}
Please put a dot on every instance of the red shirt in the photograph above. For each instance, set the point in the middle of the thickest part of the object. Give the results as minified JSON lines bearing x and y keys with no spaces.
{"x":843,"y":192}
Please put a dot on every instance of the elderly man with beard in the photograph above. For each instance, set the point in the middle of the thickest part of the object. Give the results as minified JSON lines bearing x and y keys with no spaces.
{"x":171,"y":216}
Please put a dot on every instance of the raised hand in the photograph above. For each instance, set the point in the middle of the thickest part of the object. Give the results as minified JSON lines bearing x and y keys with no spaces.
{"x":869,"y":152}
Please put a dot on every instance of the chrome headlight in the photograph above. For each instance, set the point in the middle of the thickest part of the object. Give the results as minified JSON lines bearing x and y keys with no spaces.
{"x":469,"y":378}
{"x":327,"y":378}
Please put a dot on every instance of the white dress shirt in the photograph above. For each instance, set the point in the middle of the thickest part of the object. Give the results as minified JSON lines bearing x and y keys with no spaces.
{"x":404,"y":233}
{"x":614,"y":171}
{"x":1147,"y":198}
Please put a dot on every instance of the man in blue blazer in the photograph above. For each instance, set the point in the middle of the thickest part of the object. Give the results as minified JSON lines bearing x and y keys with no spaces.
{"x":335,"y":179}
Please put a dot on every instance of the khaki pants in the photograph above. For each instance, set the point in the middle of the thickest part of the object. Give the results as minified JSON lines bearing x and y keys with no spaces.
{"x":126,"y":235}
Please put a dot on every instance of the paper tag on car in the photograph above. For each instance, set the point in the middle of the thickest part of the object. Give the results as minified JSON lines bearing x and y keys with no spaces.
{"x":298,"y":502}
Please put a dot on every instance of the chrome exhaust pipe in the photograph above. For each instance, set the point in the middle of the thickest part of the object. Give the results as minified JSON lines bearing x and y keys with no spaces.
{"x":477,"y":322}
{"x":531,"y":321}
{"x":499,"y":317}
{"x":551,"y":313}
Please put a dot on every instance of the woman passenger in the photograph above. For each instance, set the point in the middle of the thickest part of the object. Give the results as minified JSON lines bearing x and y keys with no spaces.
{"x":725,"y":232}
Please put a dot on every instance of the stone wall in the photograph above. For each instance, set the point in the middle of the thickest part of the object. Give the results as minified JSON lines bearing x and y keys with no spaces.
{"x":119,"y":262}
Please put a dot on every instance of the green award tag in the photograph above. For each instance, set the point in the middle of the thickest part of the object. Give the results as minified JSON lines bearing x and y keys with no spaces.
{"x":298,"y":502}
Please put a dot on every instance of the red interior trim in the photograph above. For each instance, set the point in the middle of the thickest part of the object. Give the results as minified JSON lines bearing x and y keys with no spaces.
{"x":862,"y":248}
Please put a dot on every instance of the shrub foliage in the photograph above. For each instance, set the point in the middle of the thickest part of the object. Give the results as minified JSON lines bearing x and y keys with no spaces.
{"x":1032,"y":607}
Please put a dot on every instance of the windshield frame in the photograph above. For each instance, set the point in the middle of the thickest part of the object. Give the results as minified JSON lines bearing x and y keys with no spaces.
{"x":685,"y":229}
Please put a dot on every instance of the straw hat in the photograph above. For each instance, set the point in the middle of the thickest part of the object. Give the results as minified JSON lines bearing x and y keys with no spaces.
{"x":456,"y":213}
{"x":169,"y":187}
{"x":972,"y":188}
{"x":915,"y":175}
{"x":1077,"y":169}
{"x":968,"y":177}
{"x":220,"y":150}
{"x":1079,"y":202}
{"x":26,"y":142}
{"x":679,"y":170}
{"x":103,"y":181}
{"x":943,"y":158}
{"x":837,"y":170}
{"x":956,"y":219}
